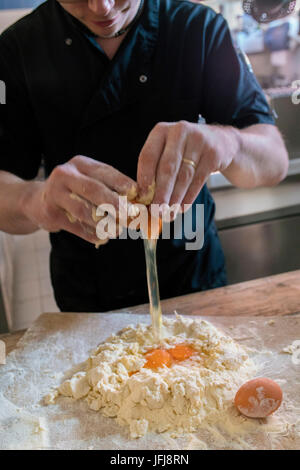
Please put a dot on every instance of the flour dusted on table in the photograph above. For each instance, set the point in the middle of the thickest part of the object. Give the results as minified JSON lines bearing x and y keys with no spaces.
{"x":20,"y":430}
{"x":178,"y":398}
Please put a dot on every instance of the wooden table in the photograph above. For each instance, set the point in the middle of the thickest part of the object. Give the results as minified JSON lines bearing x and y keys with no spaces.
{"x":269,"y":296}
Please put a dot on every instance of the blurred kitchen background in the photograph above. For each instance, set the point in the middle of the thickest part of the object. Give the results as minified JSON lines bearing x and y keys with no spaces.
{"x":259,"y":229}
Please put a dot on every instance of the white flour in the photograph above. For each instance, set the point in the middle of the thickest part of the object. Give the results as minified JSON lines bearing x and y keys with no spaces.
{"x":177,"y":399}
{"x":58,"y":345}
{"x":19,"y":429}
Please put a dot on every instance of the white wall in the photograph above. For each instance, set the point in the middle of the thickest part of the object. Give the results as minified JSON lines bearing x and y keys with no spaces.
{"x":32,"y":290}
{"x":8,"y":17}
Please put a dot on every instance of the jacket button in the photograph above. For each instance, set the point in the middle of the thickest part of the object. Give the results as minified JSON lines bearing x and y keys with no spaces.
{"x":143,"y":78}
{"x":68,"y":41}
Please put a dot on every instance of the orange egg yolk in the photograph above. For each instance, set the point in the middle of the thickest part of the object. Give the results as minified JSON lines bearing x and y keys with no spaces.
{"x":162,"y":357}
{"x":149,"y":228}
{"x":181,"y":352}
{"x":158,"y":358}
{"x":155,"y":235}
{"x":132,"y":373}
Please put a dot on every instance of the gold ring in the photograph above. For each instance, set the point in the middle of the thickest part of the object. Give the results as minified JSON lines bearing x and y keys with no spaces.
{"x":189,"y":162}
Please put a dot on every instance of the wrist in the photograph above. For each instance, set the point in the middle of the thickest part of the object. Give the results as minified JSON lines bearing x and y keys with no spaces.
{"x":235,"y":142}
{"x":228,"y":141}
{"x":28,"y":193}
{"x":232,"y":149}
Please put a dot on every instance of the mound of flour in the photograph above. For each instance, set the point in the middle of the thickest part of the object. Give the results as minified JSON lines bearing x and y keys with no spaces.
{"x":177,"y":399}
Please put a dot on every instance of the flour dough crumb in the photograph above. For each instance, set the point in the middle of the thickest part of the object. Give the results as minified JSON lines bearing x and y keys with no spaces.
{"x":51,"y":397}
{"x":176,"y":399}
{"x":291,"y":348}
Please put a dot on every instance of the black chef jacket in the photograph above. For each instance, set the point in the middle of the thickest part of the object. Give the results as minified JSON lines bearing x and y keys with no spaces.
{"x":65,"y":97}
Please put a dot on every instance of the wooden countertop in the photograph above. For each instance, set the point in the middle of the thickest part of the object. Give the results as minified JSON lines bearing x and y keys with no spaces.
{"x":269,"y":296}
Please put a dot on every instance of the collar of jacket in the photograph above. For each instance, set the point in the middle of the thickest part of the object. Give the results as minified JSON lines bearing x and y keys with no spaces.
{"x":121,"y":83}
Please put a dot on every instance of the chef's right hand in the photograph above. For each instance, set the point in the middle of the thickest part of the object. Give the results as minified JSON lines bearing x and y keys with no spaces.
{"x":67,"y":199}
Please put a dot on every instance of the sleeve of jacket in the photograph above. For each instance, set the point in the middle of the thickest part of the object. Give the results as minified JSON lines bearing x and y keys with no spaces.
{"x":233,"y":95}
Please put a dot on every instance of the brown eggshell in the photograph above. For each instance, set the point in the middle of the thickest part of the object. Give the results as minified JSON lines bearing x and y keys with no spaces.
{"x":258,"y":398}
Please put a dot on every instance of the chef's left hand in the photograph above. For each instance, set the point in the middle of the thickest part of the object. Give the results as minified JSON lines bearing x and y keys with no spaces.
{"x":166,"y":154}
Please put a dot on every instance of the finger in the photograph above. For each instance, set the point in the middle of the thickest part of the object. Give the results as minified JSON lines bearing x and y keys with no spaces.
{"x":184,"y":179}
{"x":108,"y":175}
{"x":101,"y":242}
{"x":169,"y":164}
{"x":78,"y":208}
{"x":107,"y":227}
{"x":186,"y":171}
{"x":86,"y":233}
{"x":94,"y":191}
{"x":147,"y":196}
{"x":56,"y":218}
{"x":77,"y":228}
{"x":148,"y":162}
{"x":197,"y":184}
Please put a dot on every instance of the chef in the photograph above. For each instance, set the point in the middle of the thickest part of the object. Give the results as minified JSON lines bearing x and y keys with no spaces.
{"x":107,"y":94}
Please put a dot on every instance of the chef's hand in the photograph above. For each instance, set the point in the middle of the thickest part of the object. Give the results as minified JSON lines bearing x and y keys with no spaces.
{"x":67,"y":200}
{"x":179,"y":157}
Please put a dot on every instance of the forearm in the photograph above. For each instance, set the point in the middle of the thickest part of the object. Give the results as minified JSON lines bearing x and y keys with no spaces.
{"x":260,"y":156}
{"x":14,"y":192}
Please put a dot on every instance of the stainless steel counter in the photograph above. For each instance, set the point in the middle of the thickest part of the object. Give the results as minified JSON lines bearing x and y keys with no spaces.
{"x":260,"y":230}
{"x":262,"y":249}
{"x":288,"y":121}
{"x":287,"y":116}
